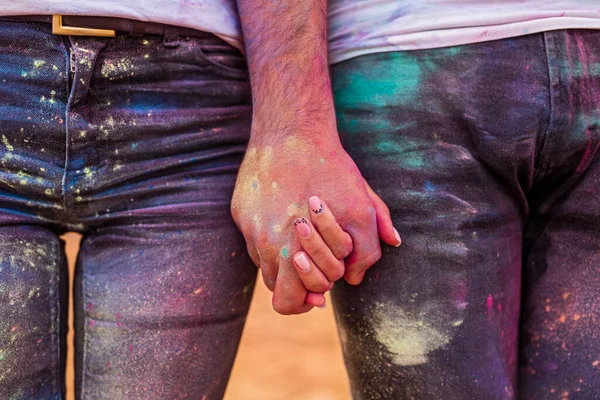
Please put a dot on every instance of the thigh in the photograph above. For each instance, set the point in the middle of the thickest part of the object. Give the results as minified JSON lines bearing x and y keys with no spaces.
{"x":160,"y":309}
{"x":437,"y":318}
{"x":560,"y":350}
{"x":33,"y":310}
{"x":163,"y":282}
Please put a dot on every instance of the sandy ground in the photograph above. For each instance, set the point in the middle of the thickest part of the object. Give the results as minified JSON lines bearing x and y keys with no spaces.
{"x":295,"y":357}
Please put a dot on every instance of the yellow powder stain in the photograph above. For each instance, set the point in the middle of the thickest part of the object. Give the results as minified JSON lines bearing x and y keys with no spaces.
{"x":294,"y":210}
{"x":117,"y":166}
{"x":251,"y":152}
{"x":48,"y":191}
{"x":38,"y":63}
{"x":82,"y":133}
{"x":276,"y":228}
{"x":88,"y":172}
{"x":275,"y":186}
{"x":78,"y":198}
{"x":9,"y":147}
{"x":145,"y":42}
{"x":410,"y":337}
{"x":146,"y":55}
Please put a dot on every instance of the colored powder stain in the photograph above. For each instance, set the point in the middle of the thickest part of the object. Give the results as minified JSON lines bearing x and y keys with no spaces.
{"x":9,"y":147}
{"x":285,"y":253}
{"x":119,"y":320}
{"x":255,"y":184}
{"x":389,"y":78}
{"x":402,"y":151}
{"x":408,"y":338}
{"x":2,"y":355}
{"x":88,"y":172}
{"x":322,"y":161}
{"x":429,"y":186}
{"x":38,"y":63}
{"x":274,"y":185}
{"x":277,"y":228}
{"x":490,"y":304}
{"x":23,"y":73}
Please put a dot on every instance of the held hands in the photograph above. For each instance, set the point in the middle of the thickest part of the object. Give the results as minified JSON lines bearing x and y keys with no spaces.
{"x":341,"y":239}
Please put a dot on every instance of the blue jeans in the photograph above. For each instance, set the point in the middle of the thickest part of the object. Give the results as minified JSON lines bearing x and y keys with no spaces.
{"x":487,"y":155}
{"x":135,"y":143}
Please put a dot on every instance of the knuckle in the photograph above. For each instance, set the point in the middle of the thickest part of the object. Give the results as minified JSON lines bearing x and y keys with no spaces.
{"x":316,"y":250}
{"x":337,"y":272}
{"x":321,"y":287}
{"x":281,"y":307}
{"x":327,"y":227}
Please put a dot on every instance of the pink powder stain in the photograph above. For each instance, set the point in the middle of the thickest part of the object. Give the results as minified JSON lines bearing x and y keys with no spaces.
{"x":490,"y":305}
{"x":130,"y":349}
{"x":499,"y":307}
{"x":90,"y":306}
{"x":482,"y":34}
{"x":119,"y":320}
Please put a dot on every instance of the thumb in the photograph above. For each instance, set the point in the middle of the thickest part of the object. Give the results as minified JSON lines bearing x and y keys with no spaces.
{"x":385,"y":227}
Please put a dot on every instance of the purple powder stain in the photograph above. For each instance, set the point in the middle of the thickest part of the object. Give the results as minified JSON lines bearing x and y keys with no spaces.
{"x":490,"y":305}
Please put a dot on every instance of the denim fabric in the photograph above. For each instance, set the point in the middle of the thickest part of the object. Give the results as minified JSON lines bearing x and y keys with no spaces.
{"x":487,"y":157}
{"x":135,"y":142}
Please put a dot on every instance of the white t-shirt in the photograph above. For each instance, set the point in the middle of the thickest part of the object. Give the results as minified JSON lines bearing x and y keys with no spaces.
{"x":356,"y":27}
{"x":216,"y":16}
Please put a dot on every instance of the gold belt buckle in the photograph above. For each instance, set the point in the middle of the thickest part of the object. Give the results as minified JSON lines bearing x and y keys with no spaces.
{"x":59,"y":29}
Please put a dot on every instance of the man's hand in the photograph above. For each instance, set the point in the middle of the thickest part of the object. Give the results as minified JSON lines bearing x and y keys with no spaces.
{"x":294,"y":151}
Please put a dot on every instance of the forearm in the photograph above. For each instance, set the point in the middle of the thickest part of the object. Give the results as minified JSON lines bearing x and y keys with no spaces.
{"x":286,"y":46}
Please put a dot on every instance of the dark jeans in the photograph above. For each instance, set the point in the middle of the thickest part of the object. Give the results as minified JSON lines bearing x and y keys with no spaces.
{"x":135,"y":143}
{"x":487,"y":157}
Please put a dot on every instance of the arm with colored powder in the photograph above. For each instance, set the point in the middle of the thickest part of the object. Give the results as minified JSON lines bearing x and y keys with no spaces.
{"x":295,"y":153}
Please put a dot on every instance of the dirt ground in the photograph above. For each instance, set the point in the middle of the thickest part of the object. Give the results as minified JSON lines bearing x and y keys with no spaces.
{"x":291,"y":358}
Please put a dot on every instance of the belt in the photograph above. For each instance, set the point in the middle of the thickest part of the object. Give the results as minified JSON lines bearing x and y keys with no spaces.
{"x":80,"y":25}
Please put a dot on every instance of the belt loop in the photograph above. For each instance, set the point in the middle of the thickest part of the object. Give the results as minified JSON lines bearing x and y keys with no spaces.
{"x":137,"y":28}
{"x":171,"y":38}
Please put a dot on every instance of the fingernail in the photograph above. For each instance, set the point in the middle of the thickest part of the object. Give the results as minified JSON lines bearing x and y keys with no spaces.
{"x":316,"y":205}
{"x":302,"y":227}
{"x":324,"y":306}
{"x":302,"y":262}
{"x":397,"y":237}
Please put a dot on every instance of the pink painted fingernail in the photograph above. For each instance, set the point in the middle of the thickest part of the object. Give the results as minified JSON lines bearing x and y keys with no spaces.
{"x":316,"y":205}
{"x":397,"y":237}
{"x":302,"y":262}
{"x":302,"y":227}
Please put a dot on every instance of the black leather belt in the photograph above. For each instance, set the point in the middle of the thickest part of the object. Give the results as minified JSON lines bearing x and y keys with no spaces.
{"x":79,"y":25}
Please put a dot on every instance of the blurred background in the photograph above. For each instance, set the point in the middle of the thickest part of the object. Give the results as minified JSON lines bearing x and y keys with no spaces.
{"x":293,"y":357}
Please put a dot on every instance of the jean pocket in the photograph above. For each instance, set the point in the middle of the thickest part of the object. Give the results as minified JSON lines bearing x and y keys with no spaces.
{"x":222,"y":58}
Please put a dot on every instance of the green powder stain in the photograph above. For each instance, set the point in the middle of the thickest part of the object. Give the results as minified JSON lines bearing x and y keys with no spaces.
{"x":285,"y":253}
{"x":386,"y":79}
{"x":400,"y":150}
{"x":2,"y":355}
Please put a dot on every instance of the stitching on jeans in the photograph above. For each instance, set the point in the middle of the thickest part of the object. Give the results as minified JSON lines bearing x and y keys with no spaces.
{"x":539,"y":162}
{"x":54,"y":343}
{"x":68,"y":106}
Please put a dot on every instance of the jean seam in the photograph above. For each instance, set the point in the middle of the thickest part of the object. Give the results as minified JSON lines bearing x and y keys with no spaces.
{"x":71,"y":95}
{"x":55,"y":324}
{"x":539,"y":165}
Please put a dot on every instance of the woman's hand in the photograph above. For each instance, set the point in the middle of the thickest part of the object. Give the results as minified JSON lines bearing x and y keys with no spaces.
{"x":274,"y":183}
